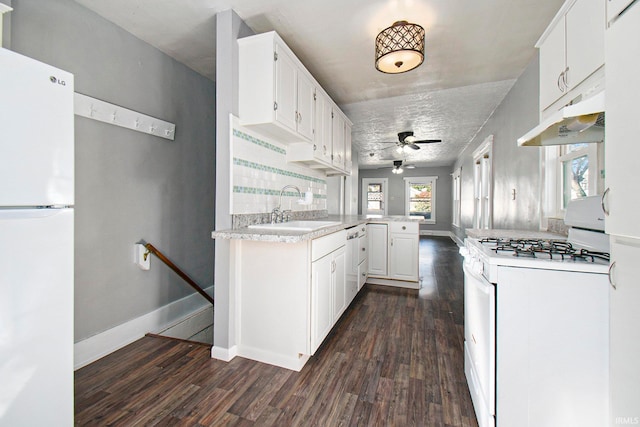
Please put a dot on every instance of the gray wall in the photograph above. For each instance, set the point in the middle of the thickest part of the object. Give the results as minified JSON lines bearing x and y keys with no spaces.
{"x":397,"y":192}
{"x":513,"y":167}
{"x":129,"y":185}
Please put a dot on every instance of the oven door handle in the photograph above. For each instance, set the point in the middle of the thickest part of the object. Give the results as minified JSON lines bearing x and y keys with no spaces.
{"x":479,"y":281}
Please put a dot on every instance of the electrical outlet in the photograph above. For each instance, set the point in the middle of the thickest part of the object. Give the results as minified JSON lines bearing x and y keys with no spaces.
{"x":139,"y":257}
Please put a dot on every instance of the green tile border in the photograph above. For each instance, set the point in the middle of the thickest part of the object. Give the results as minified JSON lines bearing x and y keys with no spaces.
{"x":271,"y":169}
{"x":259,"y":142}
{"x":269,"y":192}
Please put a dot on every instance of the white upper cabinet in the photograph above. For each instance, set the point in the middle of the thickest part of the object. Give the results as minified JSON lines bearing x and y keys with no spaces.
{"x":285,"y":91}
{"x":279,"y":98}
{"x":305,"y":106}
{"x":623,"y":127}
{"x":338,"y":140}
{"x":571,"y":49}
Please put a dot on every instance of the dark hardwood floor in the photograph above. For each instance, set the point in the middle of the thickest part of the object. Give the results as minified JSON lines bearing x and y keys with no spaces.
{"x":394,"y":359}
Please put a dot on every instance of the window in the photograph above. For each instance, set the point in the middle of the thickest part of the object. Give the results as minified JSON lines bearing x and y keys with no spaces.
{"x":374,"y":201}
{"x":482,"y":184}
{"x":457,"y":191}
{"x":420,"y":197}
{"x":571,"y":172}
{"x":576,"y":163}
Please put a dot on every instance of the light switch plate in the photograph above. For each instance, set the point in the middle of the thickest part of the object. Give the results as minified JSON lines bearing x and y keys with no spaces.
{"x":139,"y":251}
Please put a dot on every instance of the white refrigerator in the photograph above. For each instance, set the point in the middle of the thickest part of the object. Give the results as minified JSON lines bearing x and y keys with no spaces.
{"x":36,"y":243}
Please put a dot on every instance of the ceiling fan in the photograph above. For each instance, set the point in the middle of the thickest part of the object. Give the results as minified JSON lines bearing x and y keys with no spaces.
{"x":397,"y":167}
{"x":406,"y":142}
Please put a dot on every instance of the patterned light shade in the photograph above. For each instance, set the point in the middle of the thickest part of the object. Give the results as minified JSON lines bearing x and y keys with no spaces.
{"x":400,"y":48}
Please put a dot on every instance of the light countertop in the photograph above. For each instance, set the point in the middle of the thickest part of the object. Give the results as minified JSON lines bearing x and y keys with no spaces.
{"x":294,"y":236}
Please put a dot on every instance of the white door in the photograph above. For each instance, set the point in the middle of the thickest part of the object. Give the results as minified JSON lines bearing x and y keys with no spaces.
{"x":36,"y":121}
{"x":36,"y":317}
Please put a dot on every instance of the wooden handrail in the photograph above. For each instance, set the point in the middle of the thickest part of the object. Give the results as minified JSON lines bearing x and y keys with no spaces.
{"x":177,"y":270}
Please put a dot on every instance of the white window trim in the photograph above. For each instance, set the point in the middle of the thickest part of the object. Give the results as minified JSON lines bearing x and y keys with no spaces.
{"x":456,"y":197}
{"x":421,"y":180}
{"x":385,"y":195}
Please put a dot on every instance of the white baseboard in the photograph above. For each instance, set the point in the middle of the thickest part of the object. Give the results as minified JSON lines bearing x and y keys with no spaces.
{"x":443,"y":233}
{"x":97,"y":346}
{"x":224,"y":354}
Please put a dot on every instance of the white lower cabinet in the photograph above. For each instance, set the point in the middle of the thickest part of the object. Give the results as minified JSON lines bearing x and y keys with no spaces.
{"x":403,"y":256}
{"x":624,"y":330}
{"x":322,"y":306}
{"x":328,"y":285}
{"x":377,"y":234}
{"x":393,"y":253}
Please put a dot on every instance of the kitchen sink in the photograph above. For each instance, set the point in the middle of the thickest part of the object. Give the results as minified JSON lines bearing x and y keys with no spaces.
{"x":296,"y":225}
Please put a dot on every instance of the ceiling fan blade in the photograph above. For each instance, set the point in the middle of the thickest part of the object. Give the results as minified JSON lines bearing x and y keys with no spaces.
{"x":413,"y":145}
{"x":427,"y":141}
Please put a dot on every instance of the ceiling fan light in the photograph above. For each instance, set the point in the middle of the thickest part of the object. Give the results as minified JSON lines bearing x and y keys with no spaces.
{"x":400,"y":48}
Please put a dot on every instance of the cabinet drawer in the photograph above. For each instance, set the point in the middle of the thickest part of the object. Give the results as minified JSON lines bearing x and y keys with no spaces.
{"x":327,"y":244}
{"x":363,"y":273}
{"x":362,"y":248}
{"x":404,"y":227}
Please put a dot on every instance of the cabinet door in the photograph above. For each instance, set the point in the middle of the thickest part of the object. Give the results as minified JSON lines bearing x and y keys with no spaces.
{"x":552,"y":65}
{"x":321,"y":303}
{"x":622,"y":149}
{"x":377,"y":235}
{"x":337,"y":140}
{"x":347,"y":148}
{"x":338,"y":279}
{"x":286,"y":77}
{"x":585,"y":23}
{"x":322,"y":135}
{"x":403,"y":257}
{"x":624,"y":327}
{"x":305,"y":105}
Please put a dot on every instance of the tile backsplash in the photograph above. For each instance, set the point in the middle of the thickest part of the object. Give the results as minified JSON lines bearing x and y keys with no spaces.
{"x":259,"y":171}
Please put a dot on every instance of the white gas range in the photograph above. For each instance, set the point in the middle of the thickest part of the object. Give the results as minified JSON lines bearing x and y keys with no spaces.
{"x":536,"y":324}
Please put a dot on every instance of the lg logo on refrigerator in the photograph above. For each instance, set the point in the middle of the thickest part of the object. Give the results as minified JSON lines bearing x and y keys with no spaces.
{"x":55,"y":80}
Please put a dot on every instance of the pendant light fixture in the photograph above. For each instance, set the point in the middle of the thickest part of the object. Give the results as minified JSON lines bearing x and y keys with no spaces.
{"x":400,"y":48}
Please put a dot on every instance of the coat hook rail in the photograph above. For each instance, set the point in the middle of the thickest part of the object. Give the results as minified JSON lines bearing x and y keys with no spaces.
{"x":102,"y":111}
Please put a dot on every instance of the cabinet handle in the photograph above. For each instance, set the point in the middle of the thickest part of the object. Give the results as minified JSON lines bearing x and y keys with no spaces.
{"x":559,"y":82}
{"x":364,"y":274}
{"x":333,"y":266}
{"x":300,"y":117}
{"x":315,"y":147}
{"x":363,"y":249}
{"x":275,"y":106}
{"x":610,"y":275}
{"x":391,"y":242}
{"x":565,"y":78}
{"x":602,"y":201}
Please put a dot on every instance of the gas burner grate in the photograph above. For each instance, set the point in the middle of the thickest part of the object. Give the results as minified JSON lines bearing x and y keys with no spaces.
{"x":543,"y":249}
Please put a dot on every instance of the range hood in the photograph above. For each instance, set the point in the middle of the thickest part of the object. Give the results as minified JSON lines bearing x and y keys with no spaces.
{"x":582,"y":122}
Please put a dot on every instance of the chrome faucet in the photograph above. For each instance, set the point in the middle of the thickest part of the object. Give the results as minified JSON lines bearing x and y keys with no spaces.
{"x":277,"y":215}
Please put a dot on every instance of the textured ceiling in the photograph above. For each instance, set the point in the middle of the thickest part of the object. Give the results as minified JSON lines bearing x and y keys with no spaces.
{"x":474,"y":52}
